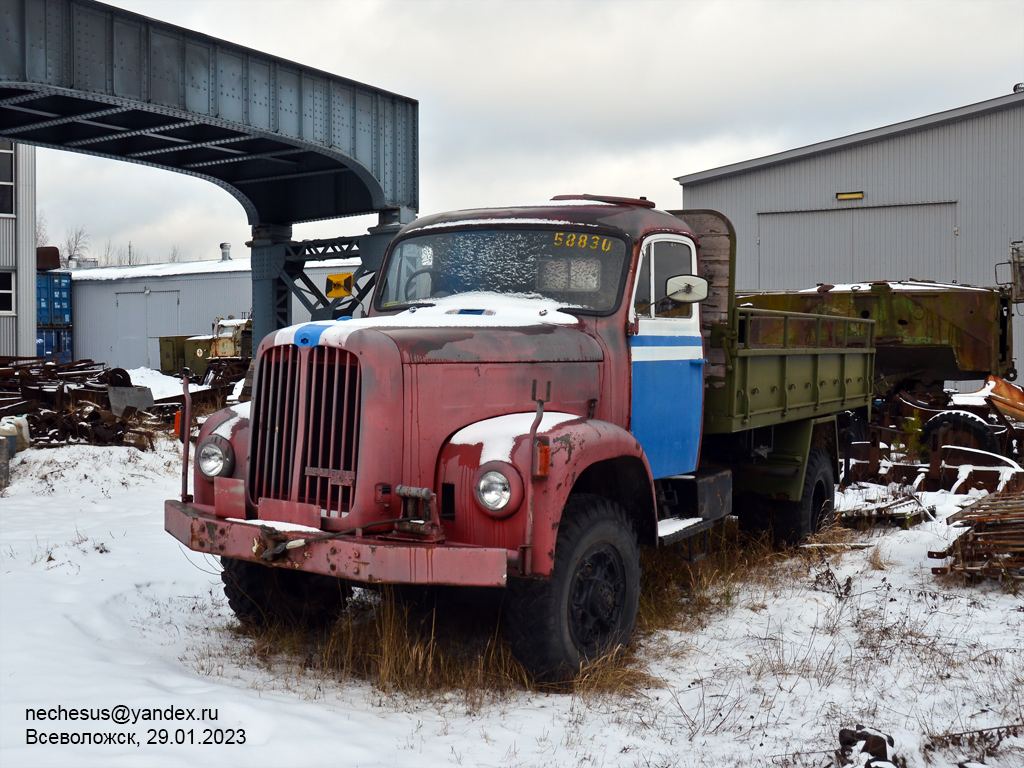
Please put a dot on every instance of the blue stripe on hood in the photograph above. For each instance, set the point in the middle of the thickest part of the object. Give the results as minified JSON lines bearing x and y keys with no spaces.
{"x":309,"y":335}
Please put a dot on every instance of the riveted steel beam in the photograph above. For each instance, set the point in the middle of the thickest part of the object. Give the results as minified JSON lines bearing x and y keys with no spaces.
{"x":83,"y":76}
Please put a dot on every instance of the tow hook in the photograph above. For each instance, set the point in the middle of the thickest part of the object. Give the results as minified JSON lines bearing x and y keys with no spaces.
{"x":419,"y":513}
{"x":271,"y":544}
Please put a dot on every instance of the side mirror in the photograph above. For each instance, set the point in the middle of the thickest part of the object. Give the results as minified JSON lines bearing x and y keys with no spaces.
{"x":688,"y":289}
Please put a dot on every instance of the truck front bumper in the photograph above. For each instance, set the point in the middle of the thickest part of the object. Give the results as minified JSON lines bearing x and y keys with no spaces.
{"x":371,"y":559}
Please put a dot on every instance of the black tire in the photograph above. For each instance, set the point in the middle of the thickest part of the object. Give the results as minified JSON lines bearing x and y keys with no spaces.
{"x":263,"y":595}
{"x":794,"y":521}
{"x":963,"y":430}
{"x":588,"y":607}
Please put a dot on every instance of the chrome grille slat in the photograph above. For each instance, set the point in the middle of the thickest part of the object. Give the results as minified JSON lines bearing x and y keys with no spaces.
{"x":306,"y":414}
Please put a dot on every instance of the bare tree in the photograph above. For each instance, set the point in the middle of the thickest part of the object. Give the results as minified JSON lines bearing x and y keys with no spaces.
{"x":76,"y":243}
{"x":130,"y":256}
{"x":42,"y":233}
{"x":109,"y":257}
{"x":175,"y":255}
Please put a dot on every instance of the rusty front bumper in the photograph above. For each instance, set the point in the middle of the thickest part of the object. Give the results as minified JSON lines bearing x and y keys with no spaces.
{"x":367,"y":558}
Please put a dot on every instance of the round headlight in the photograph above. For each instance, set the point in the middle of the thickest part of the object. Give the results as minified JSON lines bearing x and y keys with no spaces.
{"x":493,"y":490}
{"x":215,"y":458}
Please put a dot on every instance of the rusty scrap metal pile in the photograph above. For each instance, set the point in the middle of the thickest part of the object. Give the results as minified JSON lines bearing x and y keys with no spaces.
{"x":69,"y":403}
{"x":992,"y":546}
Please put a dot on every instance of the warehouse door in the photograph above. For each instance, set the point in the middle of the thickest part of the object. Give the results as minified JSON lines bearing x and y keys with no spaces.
{"x":161,"y":320}
{"x":900,"y":242}
{"x":128,"y":349}
{"x":142,"y":318}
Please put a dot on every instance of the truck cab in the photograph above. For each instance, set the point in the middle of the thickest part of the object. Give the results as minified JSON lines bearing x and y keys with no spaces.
{"x":522,"y":407}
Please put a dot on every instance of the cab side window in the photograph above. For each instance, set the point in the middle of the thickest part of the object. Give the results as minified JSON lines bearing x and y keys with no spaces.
{"x":670,"y":259}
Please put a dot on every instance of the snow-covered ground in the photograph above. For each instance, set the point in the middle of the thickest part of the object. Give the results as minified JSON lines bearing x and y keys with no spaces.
{"x":100,"y":609}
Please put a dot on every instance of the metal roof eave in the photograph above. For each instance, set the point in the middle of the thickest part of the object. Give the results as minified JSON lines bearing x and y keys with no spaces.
{"x":856,"y":139}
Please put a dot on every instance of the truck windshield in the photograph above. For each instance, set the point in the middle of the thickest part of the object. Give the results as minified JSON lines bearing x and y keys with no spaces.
{"x":581,"y":270}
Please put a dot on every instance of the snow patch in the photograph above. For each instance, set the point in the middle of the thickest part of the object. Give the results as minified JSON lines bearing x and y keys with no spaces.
{"x":497,"y":436}
{"x":160,"y":384}
{"x":462,"y":223}
{"x":504,"y":312}
{"x":241,"y":411}
{"x":210,"y":267}
{"x":674,"y":525}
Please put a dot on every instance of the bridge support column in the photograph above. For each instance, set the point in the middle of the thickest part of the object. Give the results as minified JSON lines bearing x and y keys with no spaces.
{"x":271,"y":296}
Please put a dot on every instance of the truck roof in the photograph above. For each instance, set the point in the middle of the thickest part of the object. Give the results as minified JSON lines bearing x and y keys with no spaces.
{"x":634,"y":217}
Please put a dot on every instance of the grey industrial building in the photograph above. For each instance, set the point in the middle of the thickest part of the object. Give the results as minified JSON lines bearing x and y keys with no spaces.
{"x":120,"y":313}
{"x":936,"y":198}
{"x":17,"y":249}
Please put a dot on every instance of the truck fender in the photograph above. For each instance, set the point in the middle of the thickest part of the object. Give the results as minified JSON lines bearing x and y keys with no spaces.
{"x":229,"y":426}
{"x":586,"y":455}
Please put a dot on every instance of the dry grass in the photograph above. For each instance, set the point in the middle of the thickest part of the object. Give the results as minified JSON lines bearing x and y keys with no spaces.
{"x":877,"y":559}
{"x":683,"y":595}
{"x":444,"y":642}
{"x":439,"y":644}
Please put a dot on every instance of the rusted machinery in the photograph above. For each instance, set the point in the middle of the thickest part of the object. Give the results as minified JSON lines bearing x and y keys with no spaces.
{"x":925,"y":335}
{"x":217,"y":359}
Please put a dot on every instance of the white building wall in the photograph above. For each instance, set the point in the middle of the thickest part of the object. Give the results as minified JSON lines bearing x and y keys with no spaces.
{"x":18,"y":252}
{"x":25,"y":238}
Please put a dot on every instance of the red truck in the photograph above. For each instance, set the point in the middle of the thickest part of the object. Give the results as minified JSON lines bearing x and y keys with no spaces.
{"x":535,"y":393}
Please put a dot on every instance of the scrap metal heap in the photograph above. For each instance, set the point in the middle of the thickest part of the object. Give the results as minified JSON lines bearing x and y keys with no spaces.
{"x":992,"y":546}
{"x":71,"y":403}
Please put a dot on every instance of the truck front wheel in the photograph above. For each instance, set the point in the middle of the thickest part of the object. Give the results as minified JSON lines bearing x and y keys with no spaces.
{"x":796,"y":520}
{"x":263,"y":595}
{"x":588,"y":607}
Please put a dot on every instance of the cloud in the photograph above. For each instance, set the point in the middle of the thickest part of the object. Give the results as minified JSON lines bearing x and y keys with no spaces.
{"x":522,"y":100}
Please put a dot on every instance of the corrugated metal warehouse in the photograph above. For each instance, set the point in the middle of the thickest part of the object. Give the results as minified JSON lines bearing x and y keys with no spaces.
{"x":17,"y":249}
{"x":936,"y":198}
{"x":119,"y":313}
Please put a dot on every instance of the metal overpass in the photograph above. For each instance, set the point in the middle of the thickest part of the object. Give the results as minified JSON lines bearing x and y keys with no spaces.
{"x":290,"y":143}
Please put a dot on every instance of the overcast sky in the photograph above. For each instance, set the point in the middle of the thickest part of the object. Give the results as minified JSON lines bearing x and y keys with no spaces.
{"x":520,"y":100}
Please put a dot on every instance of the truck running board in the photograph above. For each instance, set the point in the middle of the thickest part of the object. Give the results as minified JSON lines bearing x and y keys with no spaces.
{"x":692,"y":536}
{"x":673,"y":529}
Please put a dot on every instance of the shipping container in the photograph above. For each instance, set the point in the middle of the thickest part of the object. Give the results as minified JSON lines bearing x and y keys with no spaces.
{"x":53,"y":316}
{"x":43,"y":314}
{"x":53,"y":299}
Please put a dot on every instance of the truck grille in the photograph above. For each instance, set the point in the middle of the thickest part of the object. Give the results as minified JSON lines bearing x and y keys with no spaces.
{"x":306,"y":428}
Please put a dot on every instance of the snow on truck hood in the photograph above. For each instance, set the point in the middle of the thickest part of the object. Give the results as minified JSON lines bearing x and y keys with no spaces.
{"x":467,"y":310}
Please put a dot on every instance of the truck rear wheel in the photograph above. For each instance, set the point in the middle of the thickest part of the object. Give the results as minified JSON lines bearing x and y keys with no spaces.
{"x":262,"y":595}
{"x":796,"y":520}
{"x":588,"y":607}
